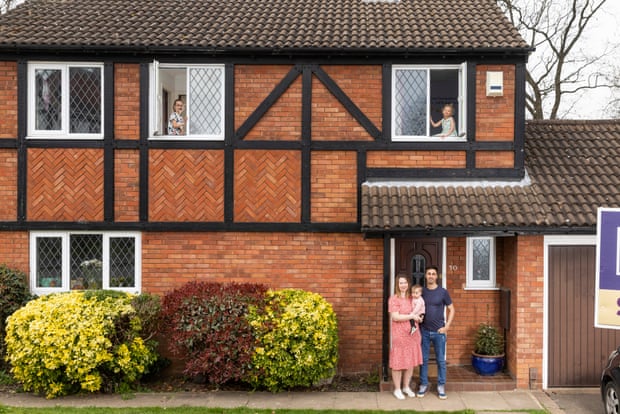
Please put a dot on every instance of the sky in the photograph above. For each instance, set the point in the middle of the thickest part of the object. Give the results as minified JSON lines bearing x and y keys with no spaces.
{"x":602,"y":33}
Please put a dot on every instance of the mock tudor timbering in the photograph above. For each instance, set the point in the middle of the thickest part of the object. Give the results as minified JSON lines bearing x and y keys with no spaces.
{"x":308,"y":160}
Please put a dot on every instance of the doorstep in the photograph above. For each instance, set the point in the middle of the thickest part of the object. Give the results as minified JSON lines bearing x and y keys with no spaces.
{"x":463,"y":378}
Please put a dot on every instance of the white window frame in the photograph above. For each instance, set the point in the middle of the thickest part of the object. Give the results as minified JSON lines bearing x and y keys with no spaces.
{"x":481,"y":284}
{"x":461,"y":103}
{"x":65,"y":236}
{"x":63,"y":133}
{"x":156,"y":116}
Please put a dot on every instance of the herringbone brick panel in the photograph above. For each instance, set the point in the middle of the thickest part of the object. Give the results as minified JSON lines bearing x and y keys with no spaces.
{"x":65,"y":184}
{"x":267,"y":186}
{"x":8,"y":184}
{"x":186,"y":185}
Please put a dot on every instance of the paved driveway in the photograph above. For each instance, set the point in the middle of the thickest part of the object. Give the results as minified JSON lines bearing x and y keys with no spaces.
{"x":577,"y":400}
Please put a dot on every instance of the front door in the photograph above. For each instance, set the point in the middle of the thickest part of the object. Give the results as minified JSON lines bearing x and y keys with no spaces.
{"x":413,"y":256}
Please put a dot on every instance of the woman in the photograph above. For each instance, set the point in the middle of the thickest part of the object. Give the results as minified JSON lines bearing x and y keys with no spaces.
{"x":406,"y":352}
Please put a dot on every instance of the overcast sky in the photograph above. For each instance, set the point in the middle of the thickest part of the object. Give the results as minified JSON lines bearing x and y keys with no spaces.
{"x":604,"y":32}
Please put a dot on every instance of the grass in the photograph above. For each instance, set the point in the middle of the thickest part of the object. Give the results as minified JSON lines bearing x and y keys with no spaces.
{"x":199,"y":410}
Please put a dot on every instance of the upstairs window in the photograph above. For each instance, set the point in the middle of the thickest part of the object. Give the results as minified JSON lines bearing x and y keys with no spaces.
{"x":63,"y":261}
{"x":481,"y":263}
{"x":191,"y":96}
{"x":420,"y":93}
{"x":65,"y":100}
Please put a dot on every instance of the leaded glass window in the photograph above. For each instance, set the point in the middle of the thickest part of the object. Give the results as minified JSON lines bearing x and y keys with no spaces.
{"x":65,"y":261}
{"x":481,"y":262}
{"x":66,"y":101}
{"x":201,"y":90}
{"x":419,"y":94}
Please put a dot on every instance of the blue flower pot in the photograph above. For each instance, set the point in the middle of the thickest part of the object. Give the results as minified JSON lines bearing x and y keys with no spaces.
{"x":487,"y":365}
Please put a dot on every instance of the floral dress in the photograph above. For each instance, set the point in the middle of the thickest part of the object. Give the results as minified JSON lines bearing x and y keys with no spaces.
{"x":406,"y":350}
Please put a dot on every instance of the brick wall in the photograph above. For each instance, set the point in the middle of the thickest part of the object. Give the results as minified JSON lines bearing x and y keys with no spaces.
{"x":416,"y":159}
{"x":8,"y":184}
{"x":14,"y":248}
{"x":126,"y":185}
{"x":126,"y":101}
{"x":495,"y":159}
{"x":334,"y":186}
{"x":344,"y":268}
{"x":330,"y":120}
{"x":524,"y":277}
{"x":473,"y":307}
{"x":253,"y":83}
{"x":495,"y":116}
{"x":8,"y":99}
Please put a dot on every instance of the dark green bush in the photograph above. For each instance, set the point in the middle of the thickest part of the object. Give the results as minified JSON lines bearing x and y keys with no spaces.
{"x":207,"y":326}
{"x":14,"y":294}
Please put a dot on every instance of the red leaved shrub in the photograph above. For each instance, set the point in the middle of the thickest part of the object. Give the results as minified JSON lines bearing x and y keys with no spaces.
{"x":207,"y":327}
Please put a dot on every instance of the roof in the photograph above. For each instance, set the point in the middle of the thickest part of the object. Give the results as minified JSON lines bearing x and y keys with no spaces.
{"x":572,"y":169}
{"x":274,"y":25}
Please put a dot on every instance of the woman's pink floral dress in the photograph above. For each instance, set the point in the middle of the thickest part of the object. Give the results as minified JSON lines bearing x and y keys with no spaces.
{"x":406,"y":350}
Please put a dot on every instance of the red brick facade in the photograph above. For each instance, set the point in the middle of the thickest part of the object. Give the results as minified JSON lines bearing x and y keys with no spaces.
{"x":189,"y":185}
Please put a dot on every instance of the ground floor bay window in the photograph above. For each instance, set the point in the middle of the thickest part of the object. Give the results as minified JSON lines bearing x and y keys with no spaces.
{"x":63,"y":261}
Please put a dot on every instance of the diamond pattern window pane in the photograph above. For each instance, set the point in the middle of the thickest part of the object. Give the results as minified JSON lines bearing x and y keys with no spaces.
{"x":86,"y":261}
{"x":49,"y":262}
{"x":205,"y":101}
{"x":410,"y":102}
{"x":48,"y":99}
{"x":85,"y":100}
{"x":122,"y":262}
{"x":481,"y":257}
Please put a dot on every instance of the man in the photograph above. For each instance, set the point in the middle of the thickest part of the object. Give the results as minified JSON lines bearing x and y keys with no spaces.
{"x":434,"y":329}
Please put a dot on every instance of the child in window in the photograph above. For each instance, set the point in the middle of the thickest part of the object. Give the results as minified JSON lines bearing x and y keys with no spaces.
{"x":176,"y":121}
{"x":448,"y":126}
{"x":419,"y":307}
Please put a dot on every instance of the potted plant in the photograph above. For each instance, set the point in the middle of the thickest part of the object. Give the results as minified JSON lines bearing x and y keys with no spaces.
{"x":488,"y":355}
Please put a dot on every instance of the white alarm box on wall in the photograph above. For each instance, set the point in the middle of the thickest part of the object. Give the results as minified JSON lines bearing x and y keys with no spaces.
{"x":495,"y":83}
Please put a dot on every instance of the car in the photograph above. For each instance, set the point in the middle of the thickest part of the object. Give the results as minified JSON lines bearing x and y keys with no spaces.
{"x":610,"y":383}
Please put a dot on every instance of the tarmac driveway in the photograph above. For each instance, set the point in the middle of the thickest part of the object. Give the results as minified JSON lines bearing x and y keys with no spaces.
{"x":577,"y":400}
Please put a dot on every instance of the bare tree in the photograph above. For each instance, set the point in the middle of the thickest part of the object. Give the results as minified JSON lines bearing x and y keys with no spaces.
{"x":6,"y":5}
{"x":561,"y":69}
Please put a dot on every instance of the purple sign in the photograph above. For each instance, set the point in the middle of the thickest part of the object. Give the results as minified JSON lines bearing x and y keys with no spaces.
{"x":609,"y":231}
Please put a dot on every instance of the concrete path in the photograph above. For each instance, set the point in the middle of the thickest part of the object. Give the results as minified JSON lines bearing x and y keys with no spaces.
{"x":502,"y":401}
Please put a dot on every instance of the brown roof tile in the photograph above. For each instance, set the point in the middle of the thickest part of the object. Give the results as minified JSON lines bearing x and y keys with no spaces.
{"x":572,"y":167}
{"x":260,"y":24}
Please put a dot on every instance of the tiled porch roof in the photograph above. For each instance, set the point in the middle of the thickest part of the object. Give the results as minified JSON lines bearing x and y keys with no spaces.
{"x":274,"y":25}
{"x":572,"y":169}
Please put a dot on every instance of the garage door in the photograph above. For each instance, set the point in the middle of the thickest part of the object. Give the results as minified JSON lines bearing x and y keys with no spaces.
{"x":577,"y":350}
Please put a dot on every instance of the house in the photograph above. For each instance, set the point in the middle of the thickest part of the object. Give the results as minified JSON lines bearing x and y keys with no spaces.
{"x":307,"y":160}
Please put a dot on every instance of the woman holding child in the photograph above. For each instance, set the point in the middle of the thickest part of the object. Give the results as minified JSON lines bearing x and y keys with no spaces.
{"x":406,"y":352}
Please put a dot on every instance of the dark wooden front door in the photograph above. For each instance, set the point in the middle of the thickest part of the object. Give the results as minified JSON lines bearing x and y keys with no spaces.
{"x":577,"y":350}
{"x":413,"y":256}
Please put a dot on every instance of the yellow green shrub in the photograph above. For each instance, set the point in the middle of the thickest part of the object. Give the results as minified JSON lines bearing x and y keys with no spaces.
{"x":297,"y":341}
{"x":78,"y":341}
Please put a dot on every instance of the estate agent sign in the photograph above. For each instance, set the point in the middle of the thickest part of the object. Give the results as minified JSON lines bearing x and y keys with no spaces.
{"x":607,"y":312}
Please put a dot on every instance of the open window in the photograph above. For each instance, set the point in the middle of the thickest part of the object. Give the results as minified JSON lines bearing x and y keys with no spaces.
{"x":419,"y":94}
{"x":63,"y":261}
{"x":65,"y":100}
{"x":187,"y":101}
